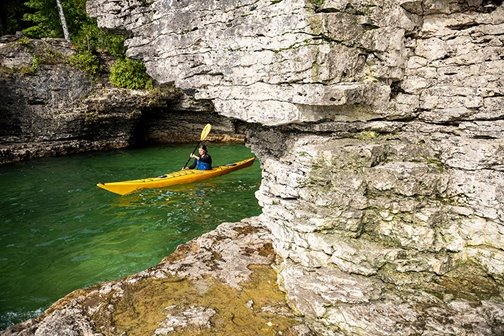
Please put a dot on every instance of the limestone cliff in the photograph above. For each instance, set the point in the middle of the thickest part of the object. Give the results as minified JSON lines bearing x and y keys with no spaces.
{"x":49,"y":107}
{"x":380,"y":129}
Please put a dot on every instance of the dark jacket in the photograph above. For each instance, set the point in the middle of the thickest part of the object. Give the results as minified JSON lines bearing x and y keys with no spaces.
{"x":205,"y":163}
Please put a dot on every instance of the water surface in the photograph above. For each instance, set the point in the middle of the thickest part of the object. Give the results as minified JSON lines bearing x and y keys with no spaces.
{"x":59,"y":232}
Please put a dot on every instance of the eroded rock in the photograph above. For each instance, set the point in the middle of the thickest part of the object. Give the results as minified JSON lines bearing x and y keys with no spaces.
{"x":50,"y":107}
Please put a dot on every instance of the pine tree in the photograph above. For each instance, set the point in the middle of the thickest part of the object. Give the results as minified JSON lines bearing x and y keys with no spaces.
{"x":45,"y":18}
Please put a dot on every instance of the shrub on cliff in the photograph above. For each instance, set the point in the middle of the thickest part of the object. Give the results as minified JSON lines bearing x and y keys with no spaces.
{"x":130,"y":74}
{"x":91,"y":38}
{"x":42,"y":20}
{"x":90,"y":41}
{"x":86,"y":61}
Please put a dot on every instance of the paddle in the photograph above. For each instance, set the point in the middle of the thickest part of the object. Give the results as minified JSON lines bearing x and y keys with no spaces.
{"x":204,"y":134}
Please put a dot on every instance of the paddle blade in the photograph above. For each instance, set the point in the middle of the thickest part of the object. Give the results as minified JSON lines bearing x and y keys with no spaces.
{"x":205,"y":131}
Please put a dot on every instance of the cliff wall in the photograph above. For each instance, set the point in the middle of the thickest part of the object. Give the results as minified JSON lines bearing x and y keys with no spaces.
{"x":380,"y":130}
{"x":50,"y":107}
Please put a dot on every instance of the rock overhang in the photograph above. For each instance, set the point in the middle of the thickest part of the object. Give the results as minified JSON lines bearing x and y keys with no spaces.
{"x":265,"y":61}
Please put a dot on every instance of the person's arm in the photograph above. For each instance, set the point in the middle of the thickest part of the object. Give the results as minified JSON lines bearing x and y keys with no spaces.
{"x":193,"y":165}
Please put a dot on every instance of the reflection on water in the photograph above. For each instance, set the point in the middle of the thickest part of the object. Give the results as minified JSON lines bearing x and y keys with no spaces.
{"x":60,"y":232}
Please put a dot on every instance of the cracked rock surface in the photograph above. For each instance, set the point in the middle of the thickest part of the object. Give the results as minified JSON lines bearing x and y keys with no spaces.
{"x":50,"y":107}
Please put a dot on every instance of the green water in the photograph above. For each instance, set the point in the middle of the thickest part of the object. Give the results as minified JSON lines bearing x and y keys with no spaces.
{"x":59,"y":232}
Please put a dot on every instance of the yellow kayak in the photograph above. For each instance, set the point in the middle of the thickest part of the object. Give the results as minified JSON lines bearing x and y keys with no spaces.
{"x":178,"y":177}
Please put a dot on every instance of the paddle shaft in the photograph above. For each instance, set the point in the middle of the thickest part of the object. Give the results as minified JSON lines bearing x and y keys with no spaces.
{"x":191,"y":154}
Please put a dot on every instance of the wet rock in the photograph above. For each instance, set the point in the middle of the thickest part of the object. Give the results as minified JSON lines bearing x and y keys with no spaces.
{"x":379,"y":128}
{"x":204,"y":288}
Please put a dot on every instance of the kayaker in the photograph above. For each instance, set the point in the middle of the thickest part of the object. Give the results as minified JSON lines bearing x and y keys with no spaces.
{"x":203,"y":161}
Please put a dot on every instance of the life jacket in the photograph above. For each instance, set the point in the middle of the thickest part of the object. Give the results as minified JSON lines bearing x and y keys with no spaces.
{"x":203,"y":165}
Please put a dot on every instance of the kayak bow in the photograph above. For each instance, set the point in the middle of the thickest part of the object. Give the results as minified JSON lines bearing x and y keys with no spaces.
{"x":178,"y":177}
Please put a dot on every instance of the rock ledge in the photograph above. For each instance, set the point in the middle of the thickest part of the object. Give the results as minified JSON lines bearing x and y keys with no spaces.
{"x":219,"y":284}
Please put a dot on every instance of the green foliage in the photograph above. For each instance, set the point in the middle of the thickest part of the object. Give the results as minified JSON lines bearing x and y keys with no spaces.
{"x":115,"y":45}
{"x":88,"y":39}
{"x":50,"y":56}
{"x":128,"y":73}
{"x":44,"y":17}
{"x":86,"y":61}
{"x":92,"y":38}
{"x":42,"y":53}
{"x":75,"y":13}
{"x":35,"y":63}
{"x":25,"y":42}
{"x":84,"y":31}
{"x":29,"y":70}
{"x":317,"y":3}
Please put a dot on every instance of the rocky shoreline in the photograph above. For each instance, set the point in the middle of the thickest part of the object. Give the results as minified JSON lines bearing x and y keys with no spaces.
{"x":222,"y":283}
{"x":379,"y":126}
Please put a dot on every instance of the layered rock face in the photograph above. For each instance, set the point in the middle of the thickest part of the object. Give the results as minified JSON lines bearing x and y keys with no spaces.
{"x":49,"y":107}
{"x":380,"y":130}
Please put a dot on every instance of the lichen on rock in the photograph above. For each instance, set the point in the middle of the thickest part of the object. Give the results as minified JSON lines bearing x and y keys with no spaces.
{"x":191,"y":292}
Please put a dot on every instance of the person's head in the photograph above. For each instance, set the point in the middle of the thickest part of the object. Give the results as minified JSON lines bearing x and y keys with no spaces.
{"x":202,"y":150}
